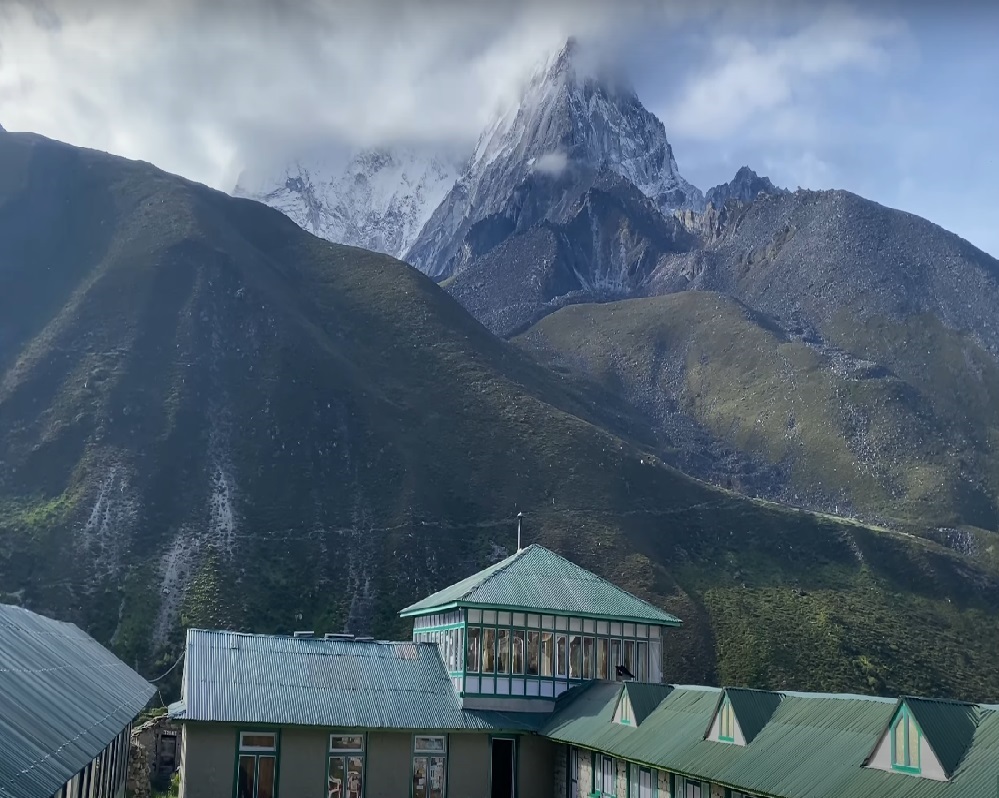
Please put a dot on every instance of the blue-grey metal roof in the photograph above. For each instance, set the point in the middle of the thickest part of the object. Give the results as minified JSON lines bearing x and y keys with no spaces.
{"x":63,"y":699}
{"x":231,"y":677}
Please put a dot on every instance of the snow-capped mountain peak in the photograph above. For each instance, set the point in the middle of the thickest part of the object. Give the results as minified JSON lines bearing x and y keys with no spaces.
{"x":379,"y":200}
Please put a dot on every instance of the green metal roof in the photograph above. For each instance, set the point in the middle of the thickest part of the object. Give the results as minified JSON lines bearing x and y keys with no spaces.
{"x":63,"y":699}
{"x":645,"y":697}
{"x":536,"y":579}
{"x":231,"y":677}
{"x":752,"y":708}
{"x":949,"y":727}
{"x":814,"y":745}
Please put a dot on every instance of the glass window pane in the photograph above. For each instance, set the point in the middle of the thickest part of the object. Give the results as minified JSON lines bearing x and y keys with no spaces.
{"x":518,"y":651}
{"x":615,"y":629}
{"x":642,"y":674}
{"x":246,"y":788}
{"x":575,"y":624}
{"x":437,"y":773}
{"x":265,"y":776}
{"x":474,"y":634}
{"x":433,"y":745}
{"x":633,"y":781}
{"x":602,"y":658}
{"x":504,"y":619}
{"x":629,"y":656}
{"x":420,"y":766}
{"x":503,"y":651}
{"x":560,"y":656}
{"x":589,"y":625}
{"x":519,"y":619}
{"x":587,"y":657}
{"x":575,"y":657}
{"x":475,"y":616}
{"x":913,"y":743}
{"x":533,"y":652}
{"x":251,"y":740}
{"x":547,"y":654}
{"x":336,"y":781}
{"x":355,"y":776}
{"x":899,"y":749}
{"x":641,"y":630}
{"x":654,"y":631}
{"x":534,"y":621}
{"x":488,"y":650}
{"x":603,"y":628}
{"x":489,"y":616}
{"x":346,"y":742}
{"x":561,"y":622}
{"x":615,"y":657}
{"x":655,"y":661}
{"x":547,"y":621}
{"x":629,"y":630}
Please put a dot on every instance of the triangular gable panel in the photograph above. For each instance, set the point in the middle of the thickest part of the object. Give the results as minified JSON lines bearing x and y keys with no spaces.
{"x":751,"y":711}
{"x":623,"y":712}
{"x":881,"y":757}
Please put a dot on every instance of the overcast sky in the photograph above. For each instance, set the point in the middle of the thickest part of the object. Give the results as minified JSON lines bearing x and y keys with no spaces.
{"x":898,"y":101}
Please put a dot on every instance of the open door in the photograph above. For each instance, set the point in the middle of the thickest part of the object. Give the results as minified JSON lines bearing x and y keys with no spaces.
{"x":504,"y":768}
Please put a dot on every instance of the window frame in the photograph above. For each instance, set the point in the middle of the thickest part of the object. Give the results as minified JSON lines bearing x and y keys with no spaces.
{"x":346,"y":754}
{"x":427,"y":753}
{"x":726,"y":718}
{"x":257,"y":752}
{"x":905,"y":722}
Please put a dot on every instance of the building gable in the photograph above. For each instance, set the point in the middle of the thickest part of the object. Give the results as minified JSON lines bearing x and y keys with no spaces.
{"x":925,"y":737}
{"x":741,"y":714}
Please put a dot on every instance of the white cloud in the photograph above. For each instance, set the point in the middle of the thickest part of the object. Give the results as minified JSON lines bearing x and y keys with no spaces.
{"x":551,"y":163}
{"x":753,"y":85}
{"x":201,"y":87}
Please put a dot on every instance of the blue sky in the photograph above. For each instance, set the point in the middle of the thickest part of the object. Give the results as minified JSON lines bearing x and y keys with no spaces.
{"x":897,"y":101}
{"x":911,"y":120}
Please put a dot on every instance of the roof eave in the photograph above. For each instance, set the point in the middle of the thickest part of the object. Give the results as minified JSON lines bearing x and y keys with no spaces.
{"x":414,"y":610}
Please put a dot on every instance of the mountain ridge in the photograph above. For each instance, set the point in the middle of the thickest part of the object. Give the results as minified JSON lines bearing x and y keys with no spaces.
{"x":212,"y":418}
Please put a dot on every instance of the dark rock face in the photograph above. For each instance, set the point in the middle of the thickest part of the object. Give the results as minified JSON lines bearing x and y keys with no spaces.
{"x":603,"y":240}
{"x":744,"y":187}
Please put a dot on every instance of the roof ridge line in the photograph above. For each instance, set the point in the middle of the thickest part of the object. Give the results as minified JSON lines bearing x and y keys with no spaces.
{"x":511,"y":559}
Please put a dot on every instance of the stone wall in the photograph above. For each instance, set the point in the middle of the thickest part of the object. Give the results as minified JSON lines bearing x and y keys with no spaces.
{"x":717,"y":791}
{"x":561,"y":771}
{"x":664,"y":784}
{"x":143,"y":755}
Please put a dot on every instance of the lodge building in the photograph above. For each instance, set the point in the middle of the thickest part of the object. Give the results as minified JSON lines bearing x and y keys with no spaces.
{"x":535,"y":678}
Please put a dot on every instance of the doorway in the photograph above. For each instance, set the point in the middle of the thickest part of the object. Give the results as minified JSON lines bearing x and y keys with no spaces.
{"x":503,"y":771}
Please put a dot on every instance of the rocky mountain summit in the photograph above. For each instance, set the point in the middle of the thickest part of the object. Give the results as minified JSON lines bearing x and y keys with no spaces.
{"x":744,"y":187}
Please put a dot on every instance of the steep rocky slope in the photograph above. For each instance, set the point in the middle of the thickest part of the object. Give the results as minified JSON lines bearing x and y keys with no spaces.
{"x":210,"y":417}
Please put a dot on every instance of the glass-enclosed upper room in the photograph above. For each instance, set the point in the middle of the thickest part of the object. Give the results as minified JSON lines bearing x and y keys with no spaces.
{"x":535,"y":623}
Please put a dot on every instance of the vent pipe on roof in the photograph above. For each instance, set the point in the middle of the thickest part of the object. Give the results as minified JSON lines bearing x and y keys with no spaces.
{"x":520,"y":518}
{"x":304,"y":634}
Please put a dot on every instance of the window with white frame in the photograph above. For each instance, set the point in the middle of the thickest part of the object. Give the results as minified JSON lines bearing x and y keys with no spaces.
{"x":256,"y":773}
{"x":688,"y":788}
{"x":429,"y":766}
{"x":345,"y":766}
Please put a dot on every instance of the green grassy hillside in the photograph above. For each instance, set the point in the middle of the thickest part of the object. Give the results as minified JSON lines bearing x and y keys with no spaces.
{"x":893,"y":421}
{"x":209,"y":417}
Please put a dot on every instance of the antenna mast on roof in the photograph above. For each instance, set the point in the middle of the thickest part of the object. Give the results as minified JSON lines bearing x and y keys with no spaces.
{"x":520,"y":518}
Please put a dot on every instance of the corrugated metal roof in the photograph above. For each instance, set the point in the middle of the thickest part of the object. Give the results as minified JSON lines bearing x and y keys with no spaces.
{"x":645,"y":697}
{"x":814,"y":746}
{"x":232,"y":677}
{"x":949,"y":728}
{"x":539,"y":580}
{"x":63,"y":699}
{"x":752,"y":708}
